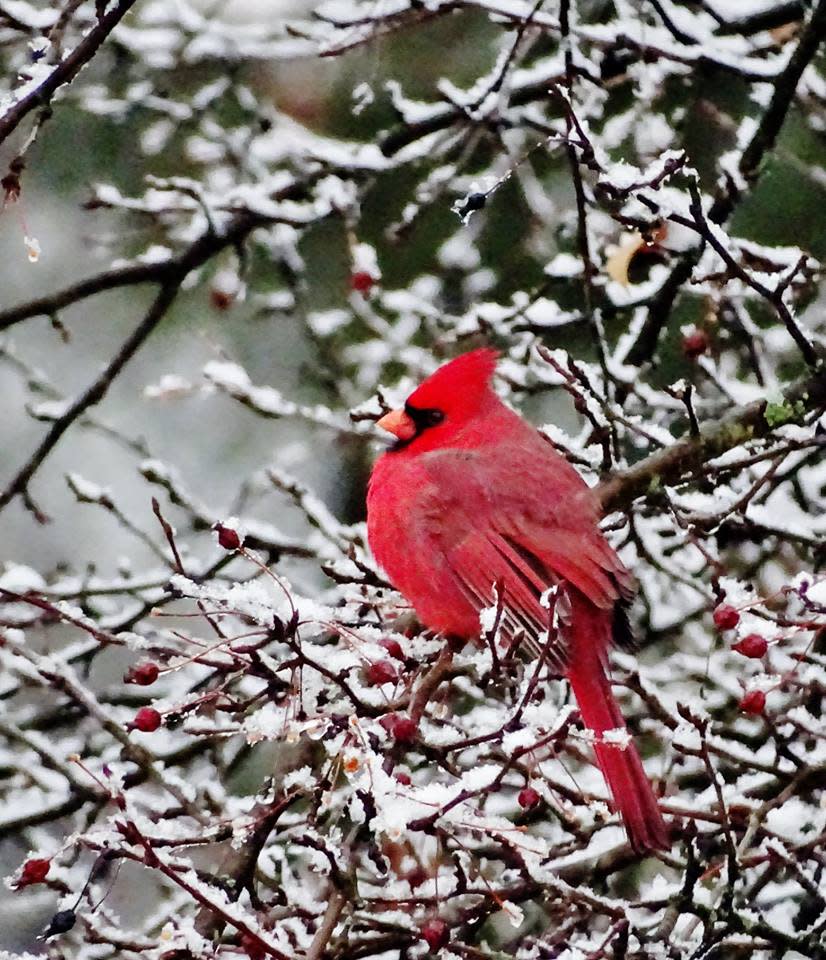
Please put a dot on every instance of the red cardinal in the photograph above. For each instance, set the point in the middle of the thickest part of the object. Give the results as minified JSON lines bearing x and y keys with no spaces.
{"x":471,"y":504}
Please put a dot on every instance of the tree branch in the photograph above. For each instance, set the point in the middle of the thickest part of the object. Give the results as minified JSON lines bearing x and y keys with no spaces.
{"x":93,"y":394}
{"x":197,"y":254}
{"x":772,"y":120}
{"x":129,"y":275}
{"x":774,"y":16}
{"x":686,"y":457}
{"x":66,"y":70}
{"x":645,"y":345}
{"x":328,"y":924}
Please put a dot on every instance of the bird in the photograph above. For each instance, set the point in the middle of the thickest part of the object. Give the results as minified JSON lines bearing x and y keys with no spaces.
{"x":471,"y":507}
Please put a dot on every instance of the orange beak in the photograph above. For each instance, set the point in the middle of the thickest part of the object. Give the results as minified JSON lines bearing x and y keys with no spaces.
{"x":398,"y":423}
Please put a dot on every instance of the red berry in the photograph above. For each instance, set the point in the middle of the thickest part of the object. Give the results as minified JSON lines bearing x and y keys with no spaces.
{"x":381,"y":671}
{"x":528,"y":797}
{"x":753,"y":702}
{"x":362,"y":282}
{"x":400,"y":728}
{"x":416,"y":876}
{"x":752,"y":646}
{"x":725,"y":617}
{"x":393,"y":648}
{"x":436,"y":932}
{"x":147,"y":719}
{"x":695,"y":344}
{"x":33,"y":871}
{"x":403,"y":778}
{"x":405,"y":730}
{"x":221,"y":299}
{"x":227,"y":537}
{"x":144,"y":674}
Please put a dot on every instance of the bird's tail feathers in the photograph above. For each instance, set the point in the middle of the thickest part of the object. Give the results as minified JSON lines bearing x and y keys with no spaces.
{"x":619,"y":761}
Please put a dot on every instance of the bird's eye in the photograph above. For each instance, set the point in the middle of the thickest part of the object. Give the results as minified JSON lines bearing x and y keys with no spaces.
{"x":434,"y":417}
{"x":424,"y":417}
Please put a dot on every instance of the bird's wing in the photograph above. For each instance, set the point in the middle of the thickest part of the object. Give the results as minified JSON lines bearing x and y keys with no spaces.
{"x":524,"y":521}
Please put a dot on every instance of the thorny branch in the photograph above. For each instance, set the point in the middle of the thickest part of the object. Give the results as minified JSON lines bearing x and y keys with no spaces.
{"x":252,"y":717}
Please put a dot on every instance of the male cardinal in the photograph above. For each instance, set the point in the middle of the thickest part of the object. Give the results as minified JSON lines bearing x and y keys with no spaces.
{"x":471,"y":507}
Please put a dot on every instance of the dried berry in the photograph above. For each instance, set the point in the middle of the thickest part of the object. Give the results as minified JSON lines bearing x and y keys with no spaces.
{"x":227,"y":537}
{"x":695,"y":344}
{"x":144,"y":674}
{"x":33,"y":871}
{"x":725,"y":617}
{"x":753,"y":646}
{"x":400,"y":727}
{"x":403,"y":778}
{"x":362,"y":282}
{"x":405,"y":730}
{"x":393,"y":648}
{"x":221,"y":299}
{"x":147,"y":719}
{"x":753,"y":702}
{"x":251,"y":945}
{"x":381,"y":671}
{"x":436,"y":932}
{"x":416,"y":876}
{"x":528,"y":797}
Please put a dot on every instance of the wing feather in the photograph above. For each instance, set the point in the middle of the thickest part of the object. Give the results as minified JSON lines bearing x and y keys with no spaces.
{"x":476,"y":534}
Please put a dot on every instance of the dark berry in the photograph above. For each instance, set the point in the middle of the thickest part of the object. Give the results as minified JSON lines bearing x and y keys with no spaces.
{"x":61,"y":922}
{"x":381,"y":671}
{"x":436,"y":932}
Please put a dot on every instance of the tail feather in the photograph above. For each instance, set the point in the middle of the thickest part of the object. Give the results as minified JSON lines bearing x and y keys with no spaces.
{"x":621,"y":766}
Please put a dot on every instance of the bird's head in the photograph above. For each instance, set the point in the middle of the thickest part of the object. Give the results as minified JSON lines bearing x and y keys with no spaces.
{"x":447,"y":401}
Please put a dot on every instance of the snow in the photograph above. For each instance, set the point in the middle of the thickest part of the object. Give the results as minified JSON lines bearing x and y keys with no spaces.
{"x":169,"y":385}
{"x":234,"y":380}
{"x":282,"y":702}
{"x":86,"y":491}
{"x":21,"y":579}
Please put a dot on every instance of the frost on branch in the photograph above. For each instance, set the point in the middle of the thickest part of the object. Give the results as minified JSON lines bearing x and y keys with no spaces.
{"x":223,"y":734}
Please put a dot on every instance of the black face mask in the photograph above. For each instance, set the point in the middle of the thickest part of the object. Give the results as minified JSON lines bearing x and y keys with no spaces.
{"x":422,"y":420}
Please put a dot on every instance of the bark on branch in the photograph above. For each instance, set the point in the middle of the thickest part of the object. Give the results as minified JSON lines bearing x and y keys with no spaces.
{"x":685,"y":458}
{"x":66,"y":70}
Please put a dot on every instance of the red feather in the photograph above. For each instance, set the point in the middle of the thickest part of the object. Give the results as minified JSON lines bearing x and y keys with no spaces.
{"x":477,"y":500}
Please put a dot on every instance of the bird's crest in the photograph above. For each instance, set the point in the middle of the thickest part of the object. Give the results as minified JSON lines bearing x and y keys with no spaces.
{"x":464,"y":378}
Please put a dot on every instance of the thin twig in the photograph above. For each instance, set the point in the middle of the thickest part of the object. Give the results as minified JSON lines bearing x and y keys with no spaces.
{"x":66,"y":70}
{"x":335,"y":906}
